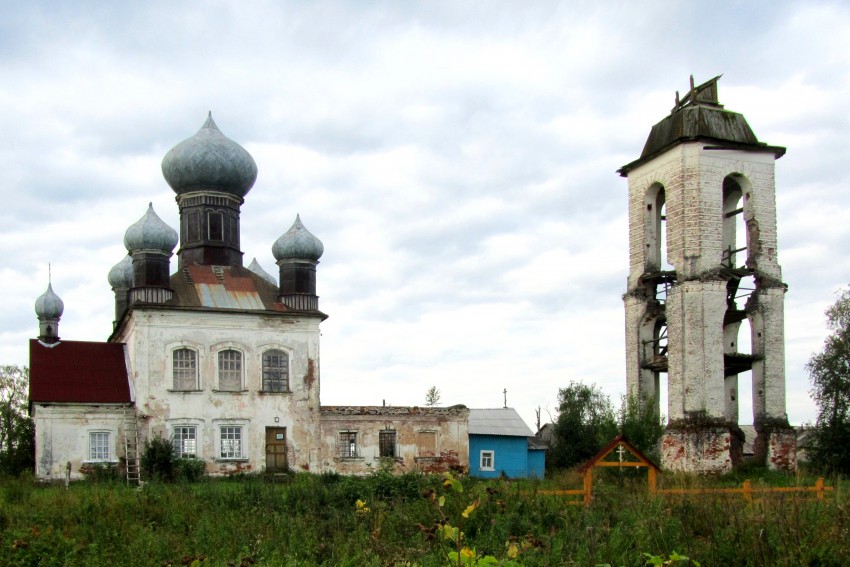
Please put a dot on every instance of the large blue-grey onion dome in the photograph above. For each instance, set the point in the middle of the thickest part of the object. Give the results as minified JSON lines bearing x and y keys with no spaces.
{"x":258,"y":269}
{"x":48,"y":305}
{"x":298,"y":243}
{"x":209,"y":161}
{"x":121,"y":274}
{"x":150,"y":233}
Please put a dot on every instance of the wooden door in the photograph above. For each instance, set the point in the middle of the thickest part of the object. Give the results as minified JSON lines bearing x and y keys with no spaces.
{"x":276,"y":449}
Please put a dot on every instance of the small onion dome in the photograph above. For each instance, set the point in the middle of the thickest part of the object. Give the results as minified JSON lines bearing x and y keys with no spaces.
{"x":298,"y":243}
{"x":121,"y":274}
{"x":150,"y":233}
{"x":258,"y":269}
{"x":48,"y":305}
{"x":209,"y":161}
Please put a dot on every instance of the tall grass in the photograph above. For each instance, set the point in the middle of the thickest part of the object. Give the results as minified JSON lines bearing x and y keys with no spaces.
{"x":309,"y":519}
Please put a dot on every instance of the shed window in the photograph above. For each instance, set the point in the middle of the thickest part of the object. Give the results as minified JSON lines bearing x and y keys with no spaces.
{"x":488,"y":460}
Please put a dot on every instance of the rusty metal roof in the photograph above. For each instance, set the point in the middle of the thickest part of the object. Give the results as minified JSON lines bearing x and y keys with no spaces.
{"x":224,"y":287}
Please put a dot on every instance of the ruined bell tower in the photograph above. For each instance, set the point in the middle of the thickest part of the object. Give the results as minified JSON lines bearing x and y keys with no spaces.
{"x":705,"y":296}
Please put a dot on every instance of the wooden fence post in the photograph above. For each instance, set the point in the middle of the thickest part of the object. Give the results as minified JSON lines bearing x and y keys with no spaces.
{"x":819,"y":488}
{"x":748,"y":491}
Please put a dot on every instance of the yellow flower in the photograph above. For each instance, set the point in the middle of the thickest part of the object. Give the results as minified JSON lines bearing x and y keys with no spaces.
{"x":467,"y":553}
{"x":361,"y":507}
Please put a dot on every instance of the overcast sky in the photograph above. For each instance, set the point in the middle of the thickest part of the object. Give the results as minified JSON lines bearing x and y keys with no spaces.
{"x":456,"y":158}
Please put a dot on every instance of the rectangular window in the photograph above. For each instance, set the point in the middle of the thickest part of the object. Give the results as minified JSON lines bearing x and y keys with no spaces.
{"x":386,"y":443}
{"x":275,"y":371}
{"x":194,"y":232}
{"x":184,"y":439}
{"x":231,"y":442}
{"x":347,"y":444}
{"x":216,"y":226}
{"x":185,"y":369}
{"x":99,"y":446}
{"x":230,"y":370}
{"x":426,"y":441}
{"x":488,"y":461}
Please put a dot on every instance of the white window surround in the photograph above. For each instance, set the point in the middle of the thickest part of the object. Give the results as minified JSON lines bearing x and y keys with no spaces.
{"x":171,"y":348}
{"x":216,"y":353}
{"x":100,"y":446}
{"x":225,"y":427}
{"x":175,"y":425}
{"x":488,"y":460}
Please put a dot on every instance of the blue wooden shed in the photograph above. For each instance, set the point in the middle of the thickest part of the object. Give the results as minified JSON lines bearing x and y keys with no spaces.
{"x":500,"y":443}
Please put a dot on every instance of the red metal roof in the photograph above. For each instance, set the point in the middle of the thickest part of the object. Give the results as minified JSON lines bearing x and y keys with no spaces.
{"x":77,"y":371}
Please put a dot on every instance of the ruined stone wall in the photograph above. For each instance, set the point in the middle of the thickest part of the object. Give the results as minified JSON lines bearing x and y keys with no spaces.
{"x":153,"y":334}
{"x":414,"y":452}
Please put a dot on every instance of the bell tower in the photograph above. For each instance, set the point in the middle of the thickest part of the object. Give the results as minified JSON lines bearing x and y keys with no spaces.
{"x":705,"y":297}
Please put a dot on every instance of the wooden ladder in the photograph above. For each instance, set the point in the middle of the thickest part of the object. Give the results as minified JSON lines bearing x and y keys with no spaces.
{"x":131,"y":447}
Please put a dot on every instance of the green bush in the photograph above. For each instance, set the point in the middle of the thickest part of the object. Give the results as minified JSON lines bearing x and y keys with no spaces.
{"x":158,"y":460}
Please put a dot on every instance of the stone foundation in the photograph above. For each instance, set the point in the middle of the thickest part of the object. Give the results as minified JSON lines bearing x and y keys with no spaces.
{"x":776,"y":447}
{"x":707,"y":449}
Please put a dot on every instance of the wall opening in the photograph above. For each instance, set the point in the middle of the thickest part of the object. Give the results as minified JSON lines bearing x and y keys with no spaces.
{"x":734,"y":245}
{"x":656,"y":229}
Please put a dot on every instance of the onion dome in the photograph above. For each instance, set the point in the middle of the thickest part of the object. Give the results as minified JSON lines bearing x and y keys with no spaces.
{"x":48,"y":305}
{"x":258,"y":269}
{"x":298,"y":243}
{"x":209,"y":161}
{"x":150,"y":233}
{"x":121,"y":274}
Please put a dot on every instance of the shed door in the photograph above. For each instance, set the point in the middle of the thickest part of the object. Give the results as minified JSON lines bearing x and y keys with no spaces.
{"x":276,"y":449}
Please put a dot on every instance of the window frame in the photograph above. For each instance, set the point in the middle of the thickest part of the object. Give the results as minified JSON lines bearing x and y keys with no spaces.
{"x":220,"y":425}
{"x":180,"y":453}
{"x":107,"y":446}
{"x":392,"y":444}
{"x":197,"y":363}
{"x":238,"y":373}
{"x":236,"y":428}
{"x":286,"y":370}
{"x":348,"y":448}
{"x":490,"y":455}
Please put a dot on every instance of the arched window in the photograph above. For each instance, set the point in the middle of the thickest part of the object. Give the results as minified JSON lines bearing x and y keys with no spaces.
{"x":734,"y":229}
{"x":275,"y":371}
{"x":185,"y":369}
{"x":230,"y":370}
{"x":656,"y":229}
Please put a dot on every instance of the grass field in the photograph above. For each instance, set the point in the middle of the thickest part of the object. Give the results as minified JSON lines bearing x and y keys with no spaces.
{"x":309,"y":519}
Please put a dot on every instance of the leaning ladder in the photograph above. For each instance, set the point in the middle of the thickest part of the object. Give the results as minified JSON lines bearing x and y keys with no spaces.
{"x":131,"y":446}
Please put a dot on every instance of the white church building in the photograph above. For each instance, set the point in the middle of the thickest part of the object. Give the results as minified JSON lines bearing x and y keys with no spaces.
{"x":220,"y":359}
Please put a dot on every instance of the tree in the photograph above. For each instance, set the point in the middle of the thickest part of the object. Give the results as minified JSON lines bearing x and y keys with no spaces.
{"x":432,"y":396}
{"x":17,"y":432}
{"x":640,"y":422}
{"x":829,"y":372}
{"x":585,"y":423}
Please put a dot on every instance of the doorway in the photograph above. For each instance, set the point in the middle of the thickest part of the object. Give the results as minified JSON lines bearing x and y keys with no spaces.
{"x":276,"y":449}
